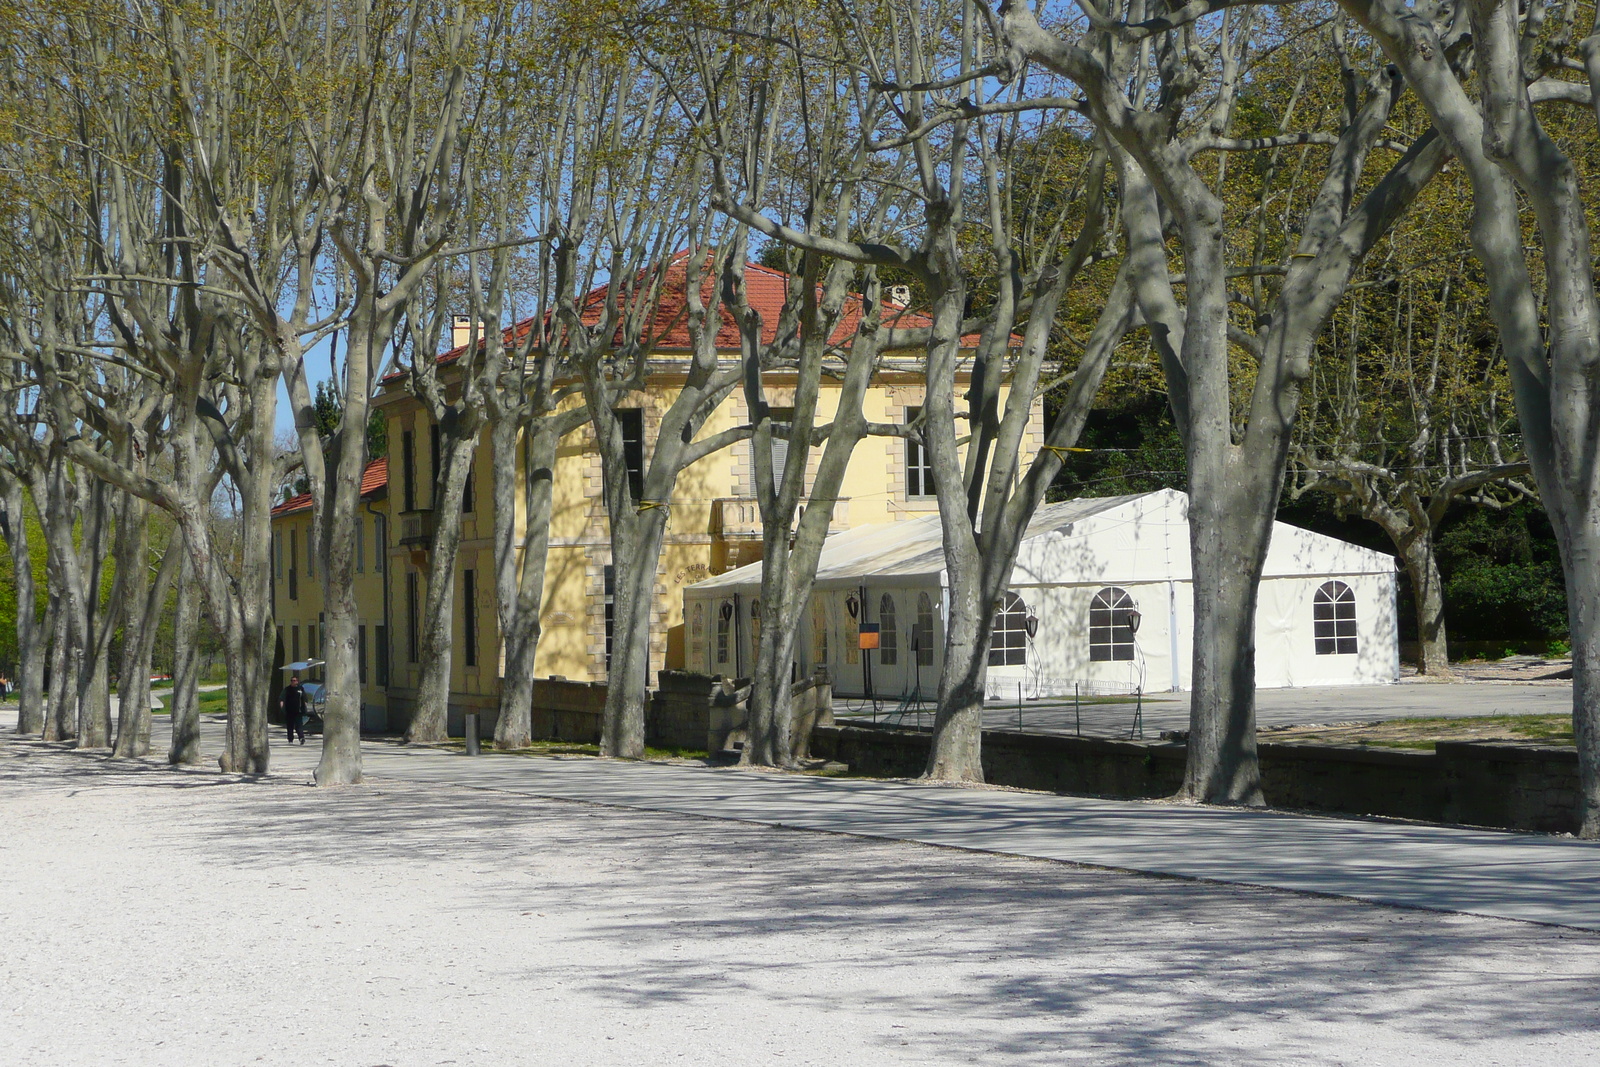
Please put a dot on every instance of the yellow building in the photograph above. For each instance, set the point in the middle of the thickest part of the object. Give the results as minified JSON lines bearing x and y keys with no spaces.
{"x":713,"y":527}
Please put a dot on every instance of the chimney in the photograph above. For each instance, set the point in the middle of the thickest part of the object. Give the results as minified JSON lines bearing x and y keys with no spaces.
{"x":900,"y":294}
{"x":460,"y":330}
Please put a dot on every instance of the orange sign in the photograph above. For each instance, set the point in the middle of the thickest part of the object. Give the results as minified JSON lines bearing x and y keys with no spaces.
{"x":868,"y":636}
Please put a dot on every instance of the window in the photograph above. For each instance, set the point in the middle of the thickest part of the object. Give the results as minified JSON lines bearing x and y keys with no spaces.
{"x":922,"y":633}
{"x":919,"y":469}
{"x":361,"y":654}
{"x":1110,"y":636}
{"x":1334,"y":620}
{"x":361,"y":544}
{"x":282,"y":648}
{"x":381,"y":637}
{"x":610,"y":596}
{"x":294,"y":563}
{"x":468,"y":505}
{"x":433,"y":465}
{"x":1008,"y":647}
{"x":408,"y":468}
{"x":632,"y":422}
{"x":311,"y":552}
{"x":819,"y":632}
{"x":411,"y":616}
{"x":469,"y":615}
{"x":311,"y":644}
{"x":888,"y":635}
{"x":724,"y":630}
{"x":782,"y":419}
{"x":294,"y":643}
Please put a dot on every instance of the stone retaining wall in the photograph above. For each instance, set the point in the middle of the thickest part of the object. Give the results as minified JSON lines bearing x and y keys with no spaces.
{"x":1510,"y":785}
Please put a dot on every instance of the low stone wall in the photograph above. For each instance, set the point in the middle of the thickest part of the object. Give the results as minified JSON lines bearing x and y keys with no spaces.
{"x":1510,"y":785}
{"x":698,"y":712}
{"x":568,"y":711}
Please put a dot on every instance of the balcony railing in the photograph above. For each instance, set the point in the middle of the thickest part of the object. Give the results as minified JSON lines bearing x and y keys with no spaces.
{"x":416,"y":529}
{"x":738,"y":518}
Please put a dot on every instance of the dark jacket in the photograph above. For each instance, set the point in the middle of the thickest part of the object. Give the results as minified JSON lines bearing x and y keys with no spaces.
{"x":293,"y":700}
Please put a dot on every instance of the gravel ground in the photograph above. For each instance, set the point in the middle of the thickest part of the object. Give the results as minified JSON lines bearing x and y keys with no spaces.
{"x":189,"y":918}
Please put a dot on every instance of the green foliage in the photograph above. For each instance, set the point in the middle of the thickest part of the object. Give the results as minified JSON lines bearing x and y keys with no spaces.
{"x":1502,"y":576}
{"x":327,"y":409}
{"x":1134,"y":448}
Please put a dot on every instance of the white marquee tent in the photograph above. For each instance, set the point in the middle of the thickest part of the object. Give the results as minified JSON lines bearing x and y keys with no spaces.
{"x":1327,"y":613}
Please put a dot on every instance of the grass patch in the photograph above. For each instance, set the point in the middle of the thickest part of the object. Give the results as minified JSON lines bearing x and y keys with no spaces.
{"x":1425,"y":733}
{"x":212,"y":702}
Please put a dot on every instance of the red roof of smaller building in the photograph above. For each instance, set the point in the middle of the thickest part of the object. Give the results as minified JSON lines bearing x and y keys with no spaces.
{"x":375,"y":477}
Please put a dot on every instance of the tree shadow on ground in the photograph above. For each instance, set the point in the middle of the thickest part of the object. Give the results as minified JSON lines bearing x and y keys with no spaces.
{"x":975,"y":956}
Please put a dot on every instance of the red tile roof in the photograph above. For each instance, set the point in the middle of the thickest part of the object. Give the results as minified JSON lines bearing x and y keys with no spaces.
{"x":765,"y":289}
{"x":375,"y":477}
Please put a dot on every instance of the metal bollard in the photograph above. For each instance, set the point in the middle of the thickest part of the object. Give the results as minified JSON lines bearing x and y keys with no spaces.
{"x":472,"y":733}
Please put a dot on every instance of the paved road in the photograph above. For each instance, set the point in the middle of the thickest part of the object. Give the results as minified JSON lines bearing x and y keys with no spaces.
{"x":1516,"y":876}
{"x":1274,"y":707}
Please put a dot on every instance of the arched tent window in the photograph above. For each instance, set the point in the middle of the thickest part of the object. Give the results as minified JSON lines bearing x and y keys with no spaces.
{"x":1110,"y":635}
{"x":922,"y":635}
{"x":1334,"y":620}
{"x":724,"y":630}
{"x":888,"y":632}
{"x":1009,"y":646}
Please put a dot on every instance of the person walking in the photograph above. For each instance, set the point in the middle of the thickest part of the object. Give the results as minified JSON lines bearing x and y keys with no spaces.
{"x":293,"y":703}
{"x":5,"y":688}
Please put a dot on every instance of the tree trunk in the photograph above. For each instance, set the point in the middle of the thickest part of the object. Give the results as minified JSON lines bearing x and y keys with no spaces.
{"x":1422,"y":567}
{"x":61,"y":714}
{"x":31,"y":628}
{"x":957,"y":752}
{"x":1229,"y":532}
{"x":138,"y":648}
{"x":519,"y":575}
{"x":185,"y":701}
{"x":1582,"y":562}
{"x":428,"y":723}
{"x":636,"y":559}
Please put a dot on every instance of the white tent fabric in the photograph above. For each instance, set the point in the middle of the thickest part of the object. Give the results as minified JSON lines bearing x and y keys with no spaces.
{"x":1073,"y":551}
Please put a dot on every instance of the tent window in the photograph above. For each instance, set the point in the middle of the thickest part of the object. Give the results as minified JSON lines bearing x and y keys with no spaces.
{"x":1110,"y":636}
{"x":922,"y":632}
{"x":724,"y":631}
{"x":1334,"y":620}
{"x":1009,"y":645}
{"x":888,"y":637}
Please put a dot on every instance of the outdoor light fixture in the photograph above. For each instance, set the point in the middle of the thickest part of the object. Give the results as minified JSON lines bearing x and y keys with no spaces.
{"x":1031,"y":624}
{"x":1132,"y":619}
{"x":852,"y":605}
{"x":727,"y":610}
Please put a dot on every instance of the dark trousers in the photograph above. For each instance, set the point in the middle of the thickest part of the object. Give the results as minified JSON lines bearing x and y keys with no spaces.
{"x":297,"y":724}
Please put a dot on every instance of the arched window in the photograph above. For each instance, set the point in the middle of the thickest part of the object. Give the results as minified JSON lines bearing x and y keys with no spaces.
{"x":819,"y":631}
{"x":1009,"y":646}
{"x":724,"y":630}
{"x":697,"y":635}
{"x":1110,"y":636}
{"x":888,"y":634}
{"x":922,"y":635}
{"x":1334,"y":620}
